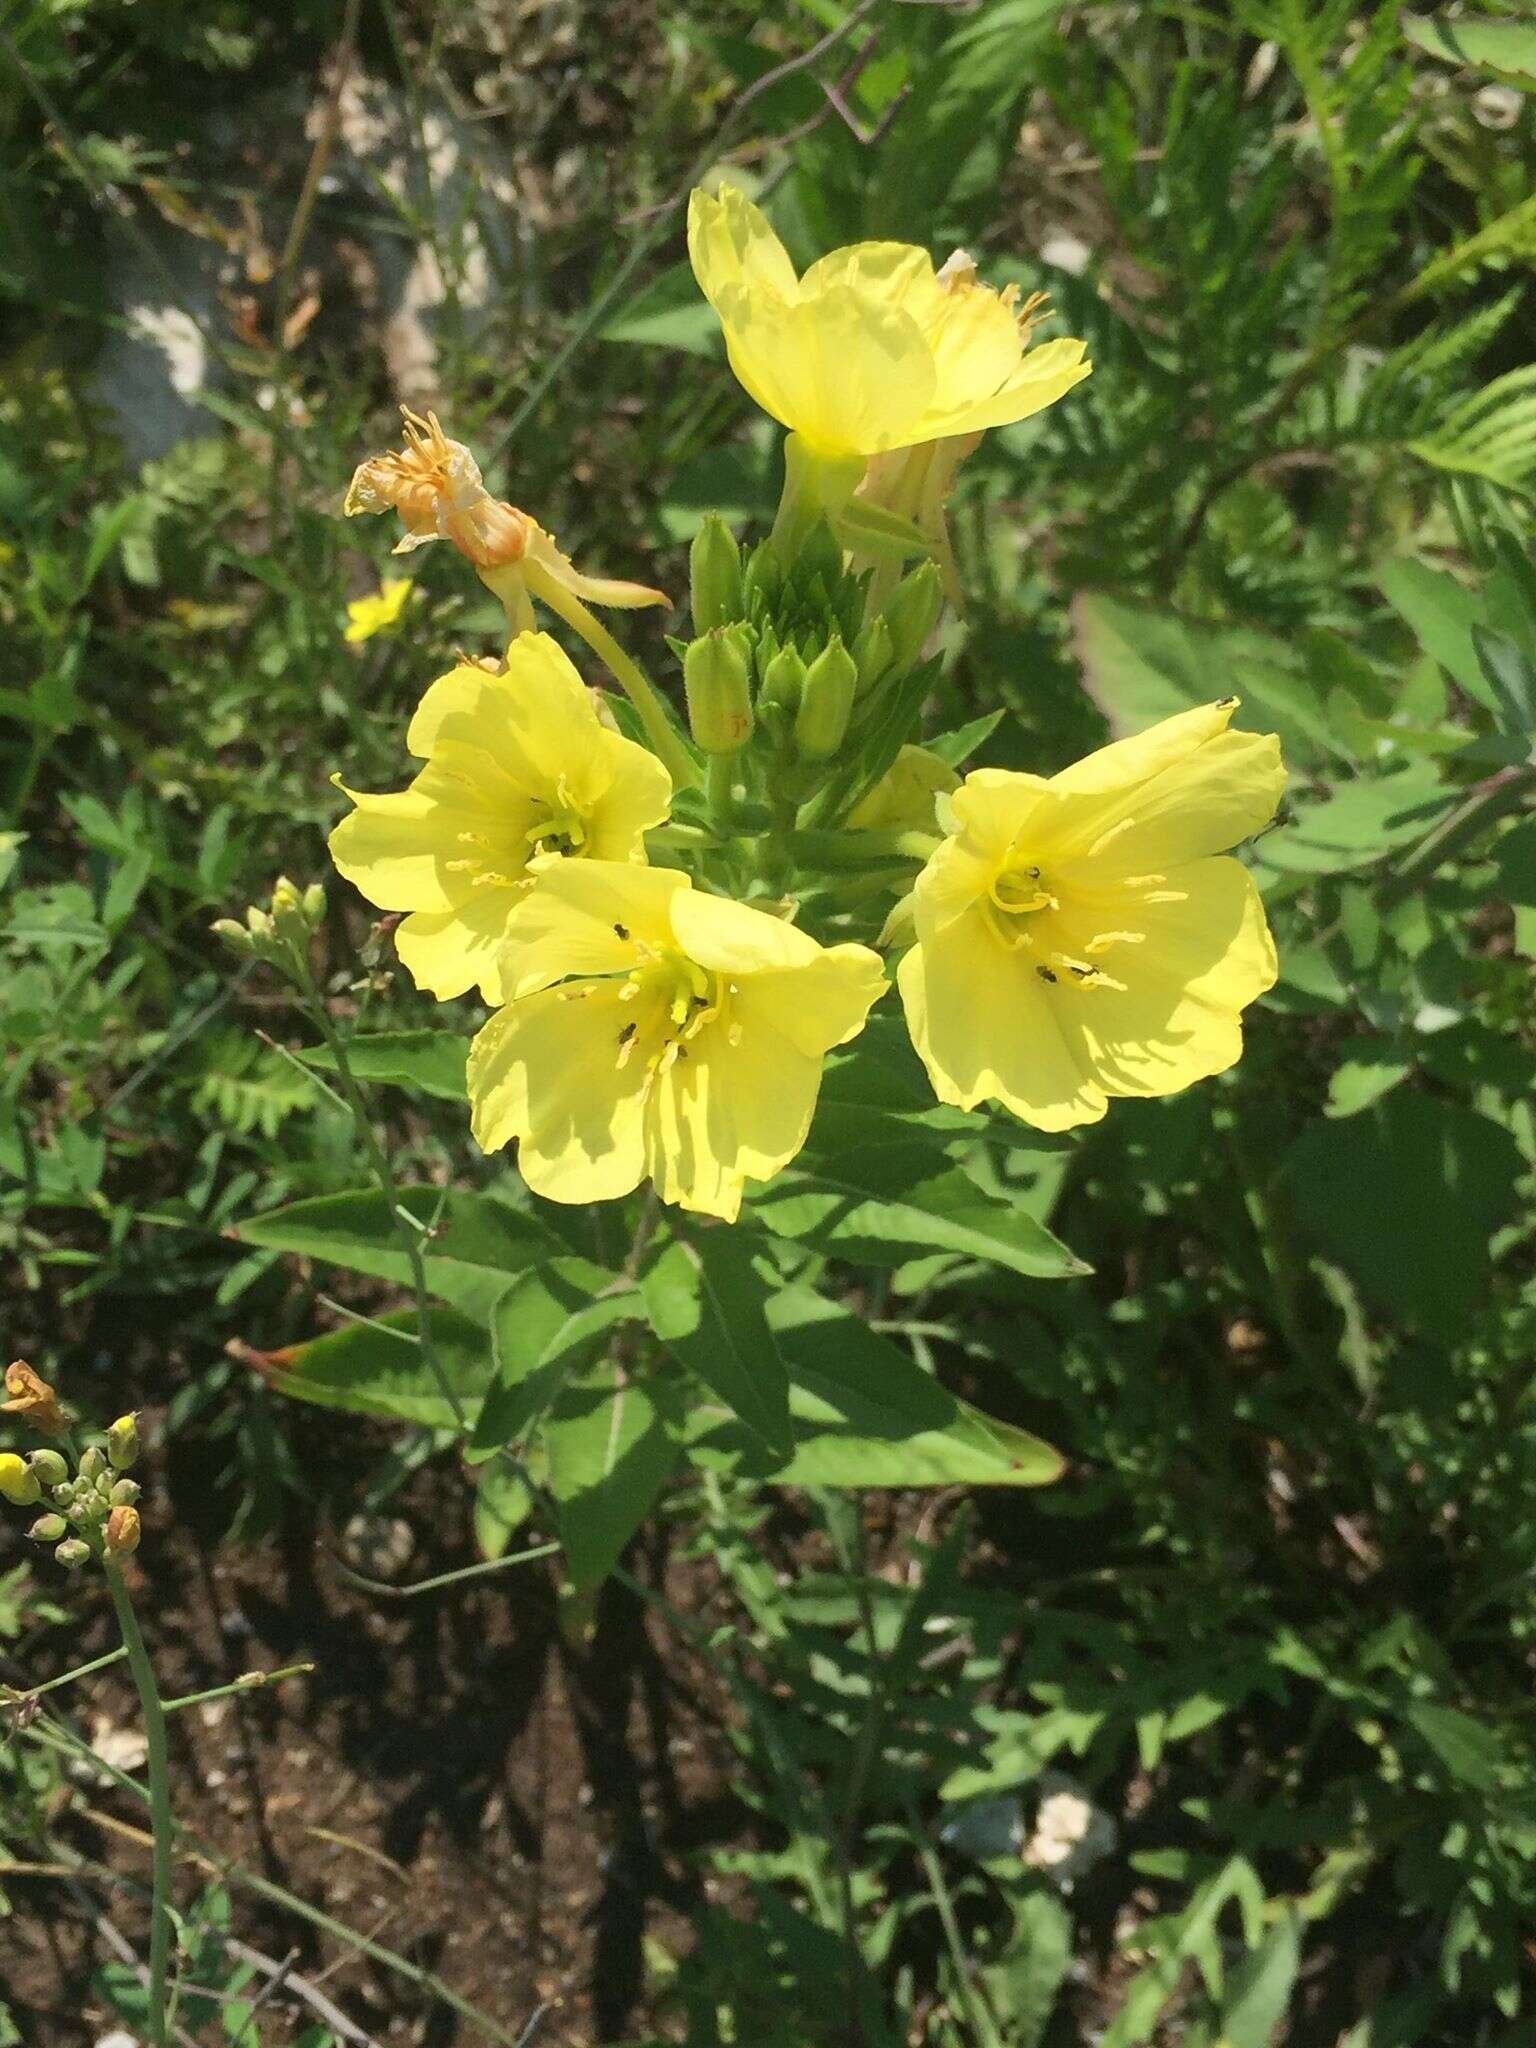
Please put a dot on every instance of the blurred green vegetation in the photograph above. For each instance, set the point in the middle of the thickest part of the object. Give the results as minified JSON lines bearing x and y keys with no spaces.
{"x":1276,"y":1626}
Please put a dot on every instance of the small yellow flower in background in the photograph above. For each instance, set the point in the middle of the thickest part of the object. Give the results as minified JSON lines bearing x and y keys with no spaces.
{"x":1081,"y":938}
{"x":656,"y":1031}
{"x":31,"y":1397}
{"x":521,"y":773}
{"x":905,"y":797}
{"x":435,"y":486}
{"x":369,"y":615}
{"x":872,"y":349}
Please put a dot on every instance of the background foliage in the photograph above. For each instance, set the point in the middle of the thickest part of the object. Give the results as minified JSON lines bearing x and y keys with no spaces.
{"x":1275,"y":1623}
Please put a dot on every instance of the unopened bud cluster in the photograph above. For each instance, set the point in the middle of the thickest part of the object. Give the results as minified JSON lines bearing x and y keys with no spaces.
{"x":785,"y":670}
{"x":90,"y":1510}
{"x":278,"y":935}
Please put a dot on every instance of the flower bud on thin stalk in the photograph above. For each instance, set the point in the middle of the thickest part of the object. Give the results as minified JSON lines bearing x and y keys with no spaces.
{"x":123,"y":1443}
{"x":714,"y":568}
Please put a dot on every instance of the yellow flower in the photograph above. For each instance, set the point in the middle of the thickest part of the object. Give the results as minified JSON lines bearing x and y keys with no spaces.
{"x":871,"y":349}
{"x":1080,"y":938}
{"x":520,"y":773}
{"x":369,"y":615}
{"x":654,"y":1030}
{"x":435,"y":486}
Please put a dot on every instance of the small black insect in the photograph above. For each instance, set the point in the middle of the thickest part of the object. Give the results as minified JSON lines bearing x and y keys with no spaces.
{"x":621,"y":931}
{"x":1046,"y":973}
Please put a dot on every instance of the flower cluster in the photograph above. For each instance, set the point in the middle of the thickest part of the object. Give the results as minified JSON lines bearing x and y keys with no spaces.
{"x":675,"y":930}
{"x":88,"y":1502}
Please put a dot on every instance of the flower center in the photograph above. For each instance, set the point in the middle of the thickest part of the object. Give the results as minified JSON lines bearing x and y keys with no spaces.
{"x":1019,"y":891}
{"x":675,"y":999}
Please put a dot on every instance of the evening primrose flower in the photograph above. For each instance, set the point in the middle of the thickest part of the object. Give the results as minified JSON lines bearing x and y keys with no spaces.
{"x":1081,"y":938}
{"x":376,"y":614}
{"x":521,"y":774}
{"x":656,"y":1031}
{"x":872,"y":349}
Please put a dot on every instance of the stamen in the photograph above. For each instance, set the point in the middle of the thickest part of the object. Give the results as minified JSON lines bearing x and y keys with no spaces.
{"x":1102,"y":941}
{"x":1104,"y":838}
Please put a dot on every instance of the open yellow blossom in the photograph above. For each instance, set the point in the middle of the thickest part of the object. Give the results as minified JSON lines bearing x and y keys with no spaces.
{"x":376,"y":614}
{"x":1082,"y":937}
{"x":654,"y":1030}
{"x":872,"y":349}
{"x":521,"y":774}
{"x":435,"y":486}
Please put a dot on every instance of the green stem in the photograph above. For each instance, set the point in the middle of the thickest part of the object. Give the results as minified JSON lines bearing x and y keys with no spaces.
{"x":35,"y":1692}
{"x":719,"y":787}
{"x":158,"y":1773}
{"x":632,"y":679}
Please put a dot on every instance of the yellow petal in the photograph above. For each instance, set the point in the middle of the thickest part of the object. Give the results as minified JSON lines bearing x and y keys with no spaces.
{"x":395,"y":848}
{"x":544,"y":1071}
{"x":589,"y":917}
{"x":725,"y":1113}
{"x":1045,"y":374}
{"x":1202,"y":961}
{"x":981,"y":1023}
{"x":447,"y":952}
{"x":731,"y":243}
{"x":609,"y":591}
{"x":816,"y":1006}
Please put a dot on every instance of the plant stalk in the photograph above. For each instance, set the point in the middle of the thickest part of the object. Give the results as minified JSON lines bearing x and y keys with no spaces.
{"x":159,"y":1776}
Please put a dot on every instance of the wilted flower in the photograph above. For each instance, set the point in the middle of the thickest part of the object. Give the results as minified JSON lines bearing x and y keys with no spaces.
{"x":654,"y":1030}
{"x":1076,"y":938}
{"x":521,"y":773}
{"x":32,"y":1398}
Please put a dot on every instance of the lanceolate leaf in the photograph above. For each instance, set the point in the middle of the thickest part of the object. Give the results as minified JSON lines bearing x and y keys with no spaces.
{"x":552,"y":1319}
{"x":610,"y":1454}
{"x":706,"y":1304}
{"x":866,"y":1414}
{"x":378,"y":1368}
{"x":474,"y":1247}
{"x":428,"y":1062}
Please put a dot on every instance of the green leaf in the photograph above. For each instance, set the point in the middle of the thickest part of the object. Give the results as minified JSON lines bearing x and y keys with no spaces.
{"x":893,"y":1203}
{"x":377,"y":1369}
{"x":1405,"y":1197}
{"x":1360,"y":823}
{"x":1470,"y":1752}
{"x":958,"y":746}
{"x":475,"y":1246}
{"x":503,"y":1503}
{"x":706,"y":1303}
{"x":1258,"y":1993}
{"x":551,"y":1319}
{"x":429,"y":1062}
{"x":866,"y":1414}
{"x":1442,"y":613}
{"x":1364,"y":1079}
{"x":1475,"y":40}
{"x":669,"y":312}
{"x":610,"y":1454}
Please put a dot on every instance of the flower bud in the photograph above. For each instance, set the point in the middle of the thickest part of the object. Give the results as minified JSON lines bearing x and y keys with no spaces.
{"x":72,"y":1553}
{"x":124,"y":1493}
{"x":50,"y":1468}
{"x":260,"y":926}
{"x":314,"y":905}
{"x":873,"y":654}
{"x":913,"y":612}
{"x":48,"y":1529}
{"x":18,"y":1482}
{"x":235,"y":936}
{"x":123,"y":1442}
{"x":123,"y":1531}
{"x":93,"y":1462}
{"x":825,"y":702}
{"x":783,"y":680}
{"x":714,"y":567}
{"x":715,"y":678}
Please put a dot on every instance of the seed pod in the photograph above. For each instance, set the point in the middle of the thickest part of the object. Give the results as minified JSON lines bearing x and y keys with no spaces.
{"x":18,"y":1482}
{"x":715,"y":677}
{"x":826,"y":702}
{"x":72,"y":1553}
{"x":48,"y":1529}
{"x":714,"y":568}
{"x":123,"y":1442}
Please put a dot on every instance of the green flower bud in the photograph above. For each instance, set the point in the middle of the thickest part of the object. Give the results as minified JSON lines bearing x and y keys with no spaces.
{"x":714,"y":569}
{"x":64,"y":1493}
{"x":314,"y":905}
{"x":125,"y":1493}
{"x":716,"y":673}
{"x":48,"y":1529}
{"x":72,"y":1553}
{"x":783,"y":680}
{"x":235,"y":936}
{"x":826,"y":702}
{"x":50,"y":1468}
{"x":913,"y":612}
{"x":873,"y":654}
{"x":123,"y":1442}
{"x":93,"y":1462}
{"x":18,"y":1482}
{"x":260,"y":927}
